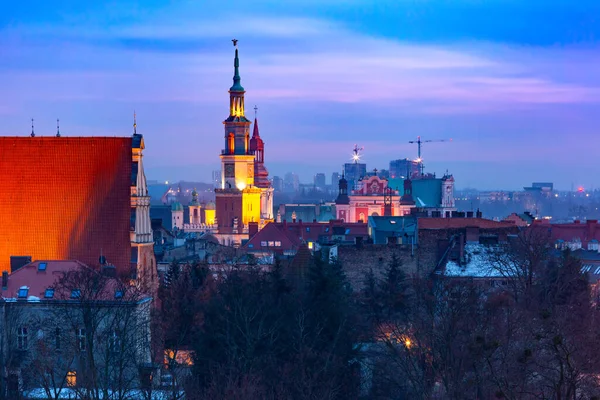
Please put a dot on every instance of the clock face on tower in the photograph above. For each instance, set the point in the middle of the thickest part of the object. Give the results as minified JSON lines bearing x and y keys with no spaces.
{"x":229,"y":171}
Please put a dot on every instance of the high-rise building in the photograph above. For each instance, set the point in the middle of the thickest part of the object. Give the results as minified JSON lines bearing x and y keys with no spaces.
{"x":319,"y":181}
{"x":335,"y":179}
{"x":216,"y":178}
{"x":291,"y":182}
{"x":400,"y":168}
{"x":353,"y":172}
{"x":278,"y":184}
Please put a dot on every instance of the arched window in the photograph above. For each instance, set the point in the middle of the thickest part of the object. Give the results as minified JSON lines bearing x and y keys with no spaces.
{"x":361,"y":217}
{"x":231,"y":143}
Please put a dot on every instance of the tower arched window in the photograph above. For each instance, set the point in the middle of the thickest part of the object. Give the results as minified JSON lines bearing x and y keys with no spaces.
{"x":231,"y":143}
{"x":361,"y":217}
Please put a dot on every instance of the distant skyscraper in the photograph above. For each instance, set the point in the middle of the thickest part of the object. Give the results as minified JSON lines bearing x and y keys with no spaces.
{"x":335,"y":179}
{"x":278,"y":184}
{"x":354,"y":172}
{"x":291,"y":182}
{"x":319,"y":181}
{"x":399,"y":168}
{"x":216,"y":179}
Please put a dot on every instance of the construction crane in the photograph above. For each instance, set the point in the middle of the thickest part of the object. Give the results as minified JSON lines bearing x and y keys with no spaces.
{"x":356,"y":153}
{"x":419,"y":142}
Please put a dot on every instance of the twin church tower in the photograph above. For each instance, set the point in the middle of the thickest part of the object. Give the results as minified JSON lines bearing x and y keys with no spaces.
{"x":244,"y":201}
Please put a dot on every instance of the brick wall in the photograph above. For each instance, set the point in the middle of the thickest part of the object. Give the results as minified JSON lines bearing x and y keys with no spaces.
{"x":357,"y":261}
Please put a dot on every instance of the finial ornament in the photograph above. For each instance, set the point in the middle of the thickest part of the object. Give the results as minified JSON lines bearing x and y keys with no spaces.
{"x":255,"y":111}
{"x":134,"y":123}
{"x":234,"y":42}
{"x":57,"y":128}
{"x":32,"y":133}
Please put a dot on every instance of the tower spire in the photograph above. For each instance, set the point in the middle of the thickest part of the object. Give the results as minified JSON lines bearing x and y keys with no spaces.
{"x":32,"y":133}
{"x":237,"y":87}
{"x":57,"y":128}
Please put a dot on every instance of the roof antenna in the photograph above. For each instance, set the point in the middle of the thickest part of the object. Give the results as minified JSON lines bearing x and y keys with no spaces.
{"x":32,"y":133}
{"x":134,"y":123}
{"x":57,"y":128}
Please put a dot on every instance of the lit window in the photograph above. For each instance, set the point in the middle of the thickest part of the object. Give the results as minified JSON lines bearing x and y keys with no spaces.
{"x":22,"y":338}
{"x":23,"y":290}
{"x":277,"y":243}
{"x":42,"y":266}
{"x":271,"y":244}
{"x":310,"y":245}
{"x":80,"y":334}
{"x":49,"y":293}
{"x":75,"y":294}
{"x":263,"y":244}
{"x":71,"y":379}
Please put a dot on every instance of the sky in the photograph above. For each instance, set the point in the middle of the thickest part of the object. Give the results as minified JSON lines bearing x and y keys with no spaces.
{"x":515,"y":84}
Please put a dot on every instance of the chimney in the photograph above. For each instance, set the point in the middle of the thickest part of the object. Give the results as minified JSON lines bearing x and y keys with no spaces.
{"x":252,"y":228}
{"x":109,"y":270}
{"x":469,"y":214}
{"x":591,"y":228}
{"x":479,"y":214}
{"x":285,"y":224}
{"x":4,"y":280}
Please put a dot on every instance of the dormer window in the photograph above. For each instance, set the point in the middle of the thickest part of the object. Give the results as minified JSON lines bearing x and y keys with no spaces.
{"x":118,"y":294}
{"x":42,"y":266}
{"x":23,"y":291}
{"x":49,"y":293}
{"x":75,"y":293}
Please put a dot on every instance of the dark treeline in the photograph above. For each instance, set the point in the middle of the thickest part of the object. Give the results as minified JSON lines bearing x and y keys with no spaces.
{"x":298,"y":331}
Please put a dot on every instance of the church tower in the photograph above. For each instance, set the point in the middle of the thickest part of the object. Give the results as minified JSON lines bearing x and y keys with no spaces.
{"x":261,"y":175}
{"x":141,"y":237}
{"x":238,"y":199}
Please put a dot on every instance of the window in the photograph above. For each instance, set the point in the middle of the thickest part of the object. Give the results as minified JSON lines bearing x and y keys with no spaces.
{"x":347,"y":231}
{"x":263,"y":244}
{"x":271,"y":243}
{"x":49,"y":293}
{"x":42,"y":266}
{"x":277,"y":243}
{"x":22,"y":338}
{"x":57,"y":339}
{"x":118,"y":294}
{"x":308,"y":229}
{"x":23,"y":290}
{"x":80,"y":335}
{"x":71,"y":379}
{"x":114,"y":342}
{"x":75,"y":293}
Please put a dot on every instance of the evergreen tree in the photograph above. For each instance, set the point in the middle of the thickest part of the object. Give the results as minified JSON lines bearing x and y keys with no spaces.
{"x":394,"y":288}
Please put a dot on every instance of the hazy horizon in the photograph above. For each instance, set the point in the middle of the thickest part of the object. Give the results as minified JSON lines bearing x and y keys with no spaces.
{"x":515,"y":85}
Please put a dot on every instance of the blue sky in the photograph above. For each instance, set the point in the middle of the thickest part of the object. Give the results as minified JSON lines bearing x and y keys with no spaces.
{"x":515,"y":84}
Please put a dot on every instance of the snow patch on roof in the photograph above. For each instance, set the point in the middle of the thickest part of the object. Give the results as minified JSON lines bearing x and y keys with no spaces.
{"x":478,"y":263}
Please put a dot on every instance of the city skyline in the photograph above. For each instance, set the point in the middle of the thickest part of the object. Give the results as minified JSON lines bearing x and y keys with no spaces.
{"x":516,"y":88}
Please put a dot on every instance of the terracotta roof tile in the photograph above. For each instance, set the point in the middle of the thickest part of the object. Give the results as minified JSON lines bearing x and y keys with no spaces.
{"x":65,"y":198}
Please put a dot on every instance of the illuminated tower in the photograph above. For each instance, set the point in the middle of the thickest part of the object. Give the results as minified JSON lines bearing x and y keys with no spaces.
{"x":342,"y":203}
{"x":237,"y":200}
{"x":195,"y":209}
{"x":141,"y":236}
{"x":261,"y":175}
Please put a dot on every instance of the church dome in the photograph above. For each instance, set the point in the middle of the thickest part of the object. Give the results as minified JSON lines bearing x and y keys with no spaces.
{"x":176,"y":206}
{"x":210,"y":205}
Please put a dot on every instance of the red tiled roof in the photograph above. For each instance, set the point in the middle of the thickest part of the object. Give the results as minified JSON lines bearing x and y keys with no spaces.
{"x":65,"y":198}
{"x":458,"y":223}
{"x":585,"y":231}
{"x":38,"y":281}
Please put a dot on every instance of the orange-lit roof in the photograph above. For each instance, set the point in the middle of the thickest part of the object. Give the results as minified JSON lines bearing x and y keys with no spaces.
{"x":65,"y":198}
